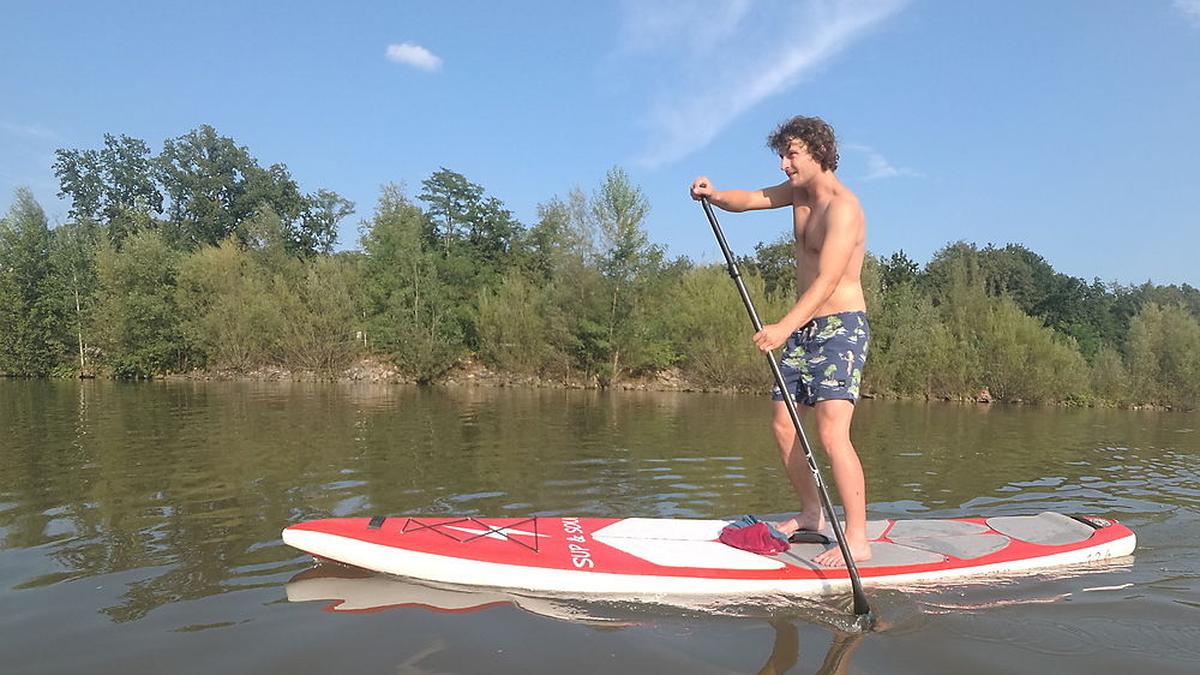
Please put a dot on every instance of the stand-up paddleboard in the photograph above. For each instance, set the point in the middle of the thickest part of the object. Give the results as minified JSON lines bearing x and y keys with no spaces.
{"x":633,"y":556}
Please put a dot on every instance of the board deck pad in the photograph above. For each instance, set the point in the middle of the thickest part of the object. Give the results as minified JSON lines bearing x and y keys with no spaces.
{"x":632,"y":556}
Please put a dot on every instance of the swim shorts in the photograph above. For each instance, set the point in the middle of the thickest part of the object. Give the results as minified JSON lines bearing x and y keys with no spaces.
{"x":824,"y":359}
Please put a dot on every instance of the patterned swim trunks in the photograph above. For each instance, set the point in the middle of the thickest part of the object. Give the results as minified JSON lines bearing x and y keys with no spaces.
{"x":824,"y":359}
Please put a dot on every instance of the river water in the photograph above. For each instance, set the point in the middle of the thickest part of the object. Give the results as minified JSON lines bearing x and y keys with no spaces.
{"x":139,"y":530}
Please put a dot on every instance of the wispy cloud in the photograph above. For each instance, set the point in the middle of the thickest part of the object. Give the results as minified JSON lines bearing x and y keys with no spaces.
{"x":719,"y":60}
{"x":414,"y":55}
{"x":879,"y":166}
{"x":1190,"y":9}
{"x":35,"y":131}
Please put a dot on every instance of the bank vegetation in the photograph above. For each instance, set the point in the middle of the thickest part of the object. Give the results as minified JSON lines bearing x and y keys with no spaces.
{"x":199,"y":259}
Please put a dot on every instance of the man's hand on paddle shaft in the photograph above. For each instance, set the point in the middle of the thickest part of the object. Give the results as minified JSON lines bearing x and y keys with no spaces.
{"x":772,"y":336}
{"x":736,"y":201}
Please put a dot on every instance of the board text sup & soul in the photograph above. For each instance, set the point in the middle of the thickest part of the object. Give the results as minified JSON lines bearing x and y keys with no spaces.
{"x":682,"y":557}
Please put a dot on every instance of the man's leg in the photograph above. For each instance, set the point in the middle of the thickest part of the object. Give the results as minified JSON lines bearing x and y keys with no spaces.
{"x":833,"y":426}
{"x":799,"y":473}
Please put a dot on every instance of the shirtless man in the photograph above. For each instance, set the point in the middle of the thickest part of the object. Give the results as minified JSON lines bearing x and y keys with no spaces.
{"x":826,"y":331}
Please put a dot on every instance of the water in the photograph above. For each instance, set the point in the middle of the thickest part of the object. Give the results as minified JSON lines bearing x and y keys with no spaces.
{"x":139,"y":530}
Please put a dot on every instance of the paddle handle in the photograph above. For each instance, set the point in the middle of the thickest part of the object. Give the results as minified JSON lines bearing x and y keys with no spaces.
{"x":861,"y":607}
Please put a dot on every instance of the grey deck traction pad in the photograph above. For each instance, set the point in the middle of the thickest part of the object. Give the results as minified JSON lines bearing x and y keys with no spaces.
{"x":916,"y":542}
{"x":1046,"y":528}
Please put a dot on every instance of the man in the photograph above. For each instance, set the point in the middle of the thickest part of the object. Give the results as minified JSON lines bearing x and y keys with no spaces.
{"x":826,"y":331}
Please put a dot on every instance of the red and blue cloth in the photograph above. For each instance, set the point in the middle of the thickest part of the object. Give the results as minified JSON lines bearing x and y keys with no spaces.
{"x":751,"y":534}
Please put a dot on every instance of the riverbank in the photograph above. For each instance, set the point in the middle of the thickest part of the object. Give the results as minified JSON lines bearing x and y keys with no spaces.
{"x":468,"y":372}
{"x":473,"y":372}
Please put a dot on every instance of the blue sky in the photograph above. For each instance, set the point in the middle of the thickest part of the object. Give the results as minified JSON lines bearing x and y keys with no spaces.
{"x":1072,"y":127}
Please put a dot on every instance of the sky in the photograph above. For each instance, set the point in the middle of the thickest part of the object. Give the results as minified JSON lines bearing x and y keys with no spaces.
{"x":1070,"y":126}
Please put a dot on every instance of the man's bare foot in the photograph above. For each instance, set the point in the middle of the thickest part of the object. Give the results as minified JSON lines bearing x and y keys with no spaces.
{"x":801,"y":522}
{"x":833,"y":556}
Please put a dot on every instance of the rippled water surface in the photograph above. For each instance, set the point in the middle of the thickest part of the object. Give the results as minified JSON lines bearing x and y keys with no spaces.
{"x":139,"y":530}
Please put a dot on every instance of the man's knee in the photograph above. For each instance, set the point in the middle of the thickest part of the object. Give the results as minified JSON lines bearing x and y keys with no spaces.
{"x":784,"y":429}
{"x":833,"y":424}
{"x":835,"y":440}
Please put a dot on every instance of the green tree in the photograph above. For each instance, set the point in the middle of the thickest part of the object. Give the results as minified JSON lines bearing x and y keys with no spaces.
{"x":319,"y":317}
{"x":115,"y":186}
{"x":1024,"y":360}
{"x":521,"y":328}
{"x":631,"y":267}
{"x":963,"y":306}
{"x":215,"y":186}
{"x":775,"y":263}
{"x":474,"y":238}
{"x":31,"y":318}
{"x":460,"y":220}
{"x":229,"y":318}
{"x":319,"y":220}
{"x":1109,"y":378}
{"x":713,"y":331}
{"x":898,"y":270}
{"x":406,"y":300}
{"x":137,"y":321}
{"x":1164,"y":356}
{"x":210,"y":185}
{"x":910,"y":346}
{"x":73,"y":259}
{"x":452,"y":201}
{"x":562,"y":240}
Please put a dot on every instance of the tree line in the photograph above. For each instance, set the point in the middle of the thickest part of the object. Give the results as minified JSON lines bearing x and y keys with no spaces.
{"x":199,"y":258}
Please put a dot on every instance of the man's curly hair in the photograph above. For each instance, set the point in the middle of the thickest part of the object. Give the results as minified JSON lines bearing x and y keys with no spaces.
{"x":814,"y":133}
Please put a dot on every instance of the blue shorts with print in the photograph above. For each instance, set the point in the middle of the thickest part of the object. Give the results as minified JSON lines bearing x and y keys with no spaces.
{"x":824,"y":359}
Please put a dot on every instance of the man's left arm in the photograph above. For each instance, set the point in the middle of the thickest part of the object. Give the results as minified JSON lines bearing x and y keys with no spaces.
{"x":840,"y":237}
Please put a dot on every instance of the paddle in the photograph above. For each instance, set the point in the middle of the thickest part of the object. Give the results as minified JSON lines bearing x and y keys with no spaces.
{"x":862,"y":610}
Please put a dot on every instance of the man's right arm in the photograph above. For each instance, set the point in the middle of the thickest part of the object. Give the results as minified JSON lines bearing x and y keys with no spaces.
{"x":743,"y":200}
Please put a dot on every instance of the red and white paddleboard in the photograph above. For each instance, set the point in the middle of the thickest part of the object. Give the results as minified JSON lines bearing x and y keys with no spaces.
{"x":634,"y":556}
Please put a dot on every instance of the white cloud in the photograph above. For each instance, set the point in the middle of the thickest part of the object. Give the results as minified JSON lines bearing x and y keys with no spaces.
{"x":29,"y":131}
{"x":414,"y":55}
{"x":724,"y":59}
{"x":648,"y":26}
{"x":879,"y":166}
{"x":1190,"y":9}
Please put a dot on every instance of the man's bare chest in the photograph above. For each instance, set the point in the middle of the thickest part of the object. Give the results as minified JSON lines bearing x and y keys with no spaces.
{"x":809,"y":229}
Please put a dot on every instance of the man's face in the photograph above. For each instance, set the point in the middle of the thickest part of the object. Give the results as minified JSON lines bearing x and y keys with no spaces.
{"x":799,"y":166}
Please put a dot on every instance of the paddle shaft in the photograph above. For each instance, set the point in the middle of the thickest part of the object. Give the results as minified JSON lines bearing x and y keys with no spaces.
{"x":861,"y":607}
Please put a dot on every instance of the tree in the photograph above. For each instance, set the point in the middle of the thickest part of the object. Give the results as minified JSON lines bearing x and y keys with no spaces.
{"x":319,"y":314}
{"x":406,"y":300}
{"x":562,"y":240}
{"x":137,"y":320}
{"x":30,"y":317}
{"x":73,"y":260}
{"x":473,"y":238}
{"x":631,"y":266}
{"x":461,"y":220}
{"x":1164,"y":356}
{"x":451,"y":200}
{"x":115,"y":186}
{"x":898,"y":270}
{"x":215,"y":185}
{"x":521,"y":328}
{"x":775,"y":263}
{"x":910,"y":345}
{"x":318,"y":228}
{"x":711,"y":331}
{"x":230,"y":316}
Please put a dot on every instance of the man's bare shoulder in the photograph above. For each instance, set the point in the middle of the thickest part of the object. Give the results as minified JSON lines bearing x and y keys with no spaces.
{"x":844,"y":208}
